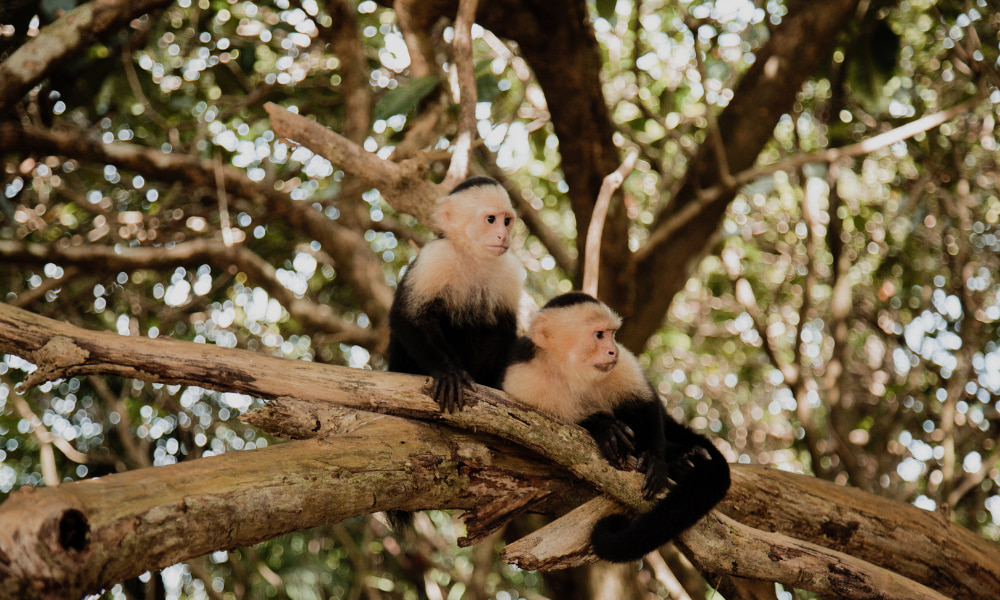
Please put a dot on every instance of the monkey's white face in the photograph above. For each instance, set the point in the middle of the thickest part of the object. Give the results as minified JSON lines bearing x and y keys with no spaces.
{"x":588,"y":349}
{"x":581,"y":337}
{"x":605,"y":349}
{"x":491,"y":229}
{"x":479,"y":219}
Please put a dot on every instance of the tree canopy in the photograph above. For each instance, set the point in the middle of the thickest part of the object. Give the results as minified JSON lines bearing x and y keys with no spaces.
{"x":805,"y":254}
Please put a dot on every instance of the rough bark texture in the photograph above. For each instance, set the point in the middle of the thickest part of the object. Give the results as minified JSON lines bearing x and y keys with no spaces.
{"x":813,"y":529}
{"x":65,"y":541}
{"x":404,"y":185}
{"x":898,"y":536}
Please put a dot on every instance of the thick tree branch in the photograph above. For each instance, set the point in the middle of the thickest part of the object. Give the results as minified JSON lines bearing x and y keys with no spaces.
{"x":727,"y":546}
{"x":404,"y":185}
{"x":834,"y":517}
{"x":63,"y":350}
{"x":766,"y":91}
{"x":65,"y":541}
{"x":901,"y":537}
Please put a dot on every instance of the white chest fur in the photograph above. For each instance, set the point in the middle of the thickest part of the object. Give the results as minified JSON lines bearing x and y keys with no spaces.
{"x":481,"y":284}
{"x":572,"y":396}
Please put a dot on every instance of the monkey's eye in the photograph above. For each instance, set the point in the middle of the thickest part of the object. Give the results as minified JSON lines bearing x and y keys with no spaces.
{"x":491,"y":219}
{"x":506,"y":222}
{"x":599,"y":335}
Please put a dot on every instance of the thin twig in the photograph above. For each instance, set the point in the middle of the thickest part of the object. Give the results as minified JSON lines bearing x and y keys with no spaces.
{"x":466,"y":92}
{"x":592,"y":256}
{"x":710,"y":195}
{"x":220,"y":186}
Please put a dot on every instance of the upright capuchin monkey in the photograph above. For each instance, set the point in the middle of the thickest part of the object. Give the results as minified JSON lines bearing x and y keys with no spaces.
{"x":454,"y":316}
{"x":571,"y":368}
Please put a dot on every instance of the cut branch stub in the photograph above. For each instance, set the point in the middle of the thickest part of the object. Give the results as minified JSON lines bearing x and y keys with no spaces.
{"x":53,"y":359}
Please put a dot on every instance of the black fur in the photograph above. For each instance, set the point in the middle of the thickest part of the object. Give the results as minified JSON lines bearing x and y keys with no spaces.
{"x":471,"y":182}
{"x":523,"y":350}
{"x":569,"y":299}
{"x":690,"y":467}
{"x":455,"y":349}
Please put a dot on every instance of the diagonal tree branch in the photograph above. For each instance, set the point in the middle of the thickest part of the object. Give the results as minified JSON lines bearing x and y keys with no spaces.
{"x":767,"y":90}
{"x":404,"y":185}
{"x":361,"y":270}
{"x":662,"y":233}
{"x":69,"y":540}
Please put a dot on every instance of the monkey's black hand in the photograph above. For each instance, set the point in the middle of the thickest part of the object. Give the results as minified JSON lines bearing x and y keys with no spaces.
{"x":613,"y":437}
{"x":662,"y":473}
{"x":449,"y":389}
{"x":658,"y":475}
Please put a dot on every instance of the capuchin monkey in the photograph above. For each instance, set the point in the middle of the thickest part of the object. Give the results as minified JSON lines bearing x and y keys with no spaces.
{"x":454,"y":316}
{"x":571,"y":368}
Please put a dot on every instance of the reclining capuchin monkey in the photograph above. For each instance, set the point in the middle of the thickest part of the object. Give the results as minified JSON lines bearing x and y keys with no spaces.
{"x":454,"y":315}
{"x":571,"y":368}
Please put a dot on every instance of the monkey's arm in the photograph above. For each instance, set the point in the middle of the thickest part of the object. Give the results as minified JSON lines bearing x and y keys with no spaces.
{"x":614,"y":437}
{"x":657,"y":445}
{"x":425,"y":349}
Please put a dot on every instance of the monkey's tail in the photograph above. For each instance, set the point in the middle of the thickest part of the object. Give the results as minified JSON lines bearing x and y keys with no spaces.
{"x":617,"y":538}
{"x":399,"y":520}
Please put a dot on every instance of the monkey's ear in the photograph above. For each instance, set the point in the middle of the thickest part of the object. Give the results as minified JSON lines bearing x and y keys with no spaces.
{"x":541,"y":330}
{"x":444,"y":213}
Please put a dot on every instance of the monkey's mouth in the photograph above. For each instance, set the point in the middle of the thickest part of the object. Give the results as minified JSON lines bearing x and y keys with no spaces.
{"x":606,"y":367}
{"x":496,"y":250}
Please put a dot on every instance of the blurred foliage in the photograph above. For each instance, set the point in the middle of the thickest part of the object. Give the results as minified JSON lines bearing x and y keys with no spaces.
{"x":895,"y":390}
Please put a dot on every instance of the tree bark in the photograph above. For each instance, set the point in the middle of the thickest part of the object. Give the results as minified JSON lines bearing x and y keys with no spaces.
{"x":830,"y":521}
{"x":65,"y":541}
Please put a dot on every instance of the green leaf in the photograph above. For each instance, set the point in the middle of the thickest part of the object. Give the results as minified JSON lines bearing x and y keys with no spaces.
{"x":405,"y":98}
{"x":606,"y":8}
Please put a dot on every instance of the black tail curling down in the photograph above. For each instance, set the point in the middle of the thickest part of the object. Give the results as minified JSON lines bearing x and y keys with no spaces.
{"x":617,"y":538}
{"x":399,"y":520}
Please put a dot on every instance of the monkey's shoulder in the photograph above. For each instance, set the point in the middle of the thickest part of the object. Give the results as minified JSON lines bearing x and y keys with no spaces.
{"x":543,"y":387}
